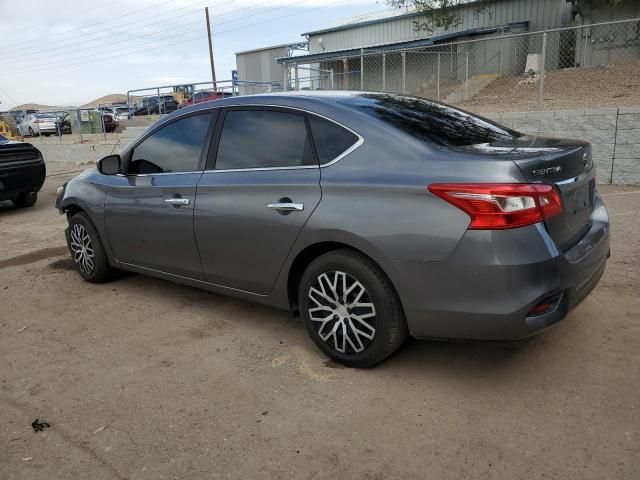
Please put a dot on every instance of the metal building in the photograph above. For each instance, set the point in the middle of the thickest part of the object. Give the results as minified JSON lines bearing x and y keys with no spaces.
{"x":405,"y":52}
{"x":259,"y":65}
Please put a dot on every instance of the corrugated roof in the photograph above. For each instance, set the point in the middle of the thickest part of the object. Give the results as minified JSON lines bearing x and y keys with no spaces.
{"x":382,"y":48}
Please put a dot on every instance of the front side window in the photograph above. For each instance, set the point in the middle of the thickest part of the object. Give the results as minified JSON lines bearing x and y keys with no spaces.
{"x":331,"y":140}
{"x":174,"y":148}
{"x":263,"y":139}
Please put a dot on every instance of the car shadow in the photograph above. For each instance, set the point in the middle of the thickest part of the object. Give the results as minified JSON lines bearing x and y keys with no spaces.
{"x":415,"y":357}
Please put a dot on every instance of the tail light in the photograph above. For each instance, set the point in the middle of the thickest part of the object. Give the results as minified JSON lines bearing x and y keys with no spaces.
{"x":499,"y":206}
{"x":546,"y":305}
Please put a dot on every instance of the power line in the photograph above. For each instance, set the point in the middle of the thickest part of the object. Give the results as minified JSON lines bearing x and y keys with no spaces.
{"x":42,"y":54}
{"x":119,"y":54}
{"x":84,"y":37}
{"x":90,"y":25}
{"x":281,"y":17}
{"x":137,"y":48}
{"x":8,"y":96}
{"x":112,"y":56}
{"x":130,"y":39}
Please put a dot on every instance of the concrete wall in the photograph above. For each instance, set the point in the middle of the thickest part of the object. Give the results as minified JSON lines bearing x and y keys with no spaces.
{"x":613,"y":132}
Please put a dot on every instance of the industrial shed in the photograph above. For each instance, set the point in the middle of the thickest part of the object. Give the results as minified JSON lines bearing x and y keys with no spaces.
{"x":405,"y":53}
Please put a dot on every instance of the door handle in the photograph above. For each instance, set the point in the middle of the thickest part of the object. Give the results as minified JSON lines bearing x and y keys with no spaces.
{"x":177,"y":201}
{"x":287,"y":206}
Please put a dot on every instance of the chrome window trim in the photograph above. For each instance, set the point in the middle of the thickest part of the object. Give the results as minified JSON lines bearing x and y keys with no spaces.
{"x":348,"y":151}
{"x":192,"y":172}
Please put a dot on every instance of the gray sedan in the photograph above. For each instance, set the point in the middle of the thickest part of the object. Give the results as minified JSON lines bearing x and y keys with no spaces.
{"x":373,"y":215}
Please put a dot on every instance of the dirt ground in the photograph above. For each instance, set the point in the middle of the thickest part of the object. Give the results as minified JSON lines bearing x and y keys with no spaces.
{"x":572,"y":88}
{"x":144,"y":379}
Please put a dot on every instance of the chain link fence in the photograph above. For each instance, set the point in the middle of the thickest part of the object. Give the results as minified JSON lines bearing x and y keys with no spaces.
{"x":465,"y":71}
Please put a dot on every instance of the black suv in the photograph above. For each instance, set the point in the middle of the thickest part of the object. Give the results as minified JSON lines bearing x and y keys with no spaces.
{"x":155,"y":105}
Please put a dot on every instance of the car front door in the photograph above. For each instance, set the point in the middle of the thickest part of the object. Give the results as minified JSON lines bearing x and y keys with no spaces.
{"x":261,"y":184}
{"x":149,"y":210}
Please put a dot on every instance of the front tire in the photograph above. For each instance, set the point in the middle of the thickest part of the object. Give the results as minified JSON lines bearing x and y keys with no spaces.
{"x":25,"y":199}
{"x":87,"y":250}
{"x":350,"y":309}
{"x":31,"y":134}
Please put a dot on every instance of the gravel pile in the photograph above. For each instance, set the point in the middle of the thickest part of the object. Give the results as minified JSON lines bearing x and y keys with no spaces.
{"x":590,"y":87}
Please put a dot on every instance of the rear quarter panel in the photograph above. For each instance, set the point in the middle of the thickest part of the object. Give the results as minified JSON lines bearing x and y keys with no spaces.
{"x":379,"y":194}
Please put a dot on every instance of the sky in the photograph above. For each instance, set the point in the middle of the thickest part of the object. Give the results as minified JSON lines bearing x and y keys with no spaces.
{"x":66,"y":52}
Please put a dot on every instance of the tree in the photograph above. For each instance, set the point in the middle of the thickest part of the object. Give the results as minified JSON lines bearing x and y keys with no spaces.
{"x":439,"y":13}
{"x":443,"y":13}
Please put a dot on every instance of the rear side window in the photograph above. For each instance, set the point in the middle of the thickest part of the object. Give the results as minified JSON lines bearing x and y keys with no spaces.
{"x":174,"y":148}
{"x":432,"y":122}
{"x":263,"y":139}
{"x":330,"y":139}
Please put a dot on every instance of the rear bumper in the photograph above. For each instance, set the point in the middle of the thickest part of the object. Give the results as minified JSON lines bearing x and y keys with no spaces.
{"x":45,"y":129}
{"x":492,"y":280}
{"x":21,"y":178}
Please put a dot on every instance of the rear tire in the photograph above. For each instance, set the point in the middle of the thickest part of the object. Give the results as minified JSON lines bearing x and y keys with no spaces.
{"x":25,"y":199}
{"x":350,"y":309}
{"x":87,"y":250}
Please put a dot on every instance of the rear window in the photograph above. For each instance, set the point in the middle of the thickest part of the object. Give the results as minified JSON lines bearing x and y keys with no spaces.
{"x":432,"y":122}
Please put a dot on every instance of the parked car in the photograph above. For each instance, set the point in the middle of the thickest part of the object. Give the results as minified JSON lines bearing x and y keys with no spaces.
{"x":373,"y":215}
{"x":155,"y":105}
{"x":63,"y":121}
{"x":22,"y":172}
{"x":121,"y":113}
{"x":38,"y":123}
{"x":109,"y":121}
{"x":207,"y":96}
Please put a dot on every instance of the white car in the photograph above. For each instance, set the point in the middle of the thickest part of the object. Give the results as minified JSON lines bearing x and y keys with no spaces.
{"x":121,"y":113}
{"x":38,"y":123}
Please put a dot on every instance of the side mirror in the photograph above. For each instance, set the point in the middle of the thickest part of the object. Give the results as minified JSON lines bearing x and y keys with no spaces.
{"x":109,"y":165}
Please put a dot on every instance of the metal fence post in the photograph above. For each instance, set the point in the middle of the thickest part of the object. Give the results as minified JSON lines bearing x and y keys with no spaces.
{"x":285,"y":76}
{"x":345,"y":74}
{"x":361,"y":69}
{"x":584,"y":47}
{"x":158,"y":92}
{"x":404,"y":72}
{"x":542,"y":67}
{"x":500,"y":54}
{"x":466,"y":76}
{"x":79,"y":124}
{"x":331,"y":78}
{"x":104,"y":129}
{"x":296,"y":78}
{"x":130,"y":120}
{"x":384,"y":72}
{"x":438,"y":80}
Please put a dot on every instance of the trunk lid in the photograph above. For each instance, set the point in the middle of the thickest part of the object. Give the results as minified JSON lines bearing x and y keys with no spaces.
{"x":565,"y":164}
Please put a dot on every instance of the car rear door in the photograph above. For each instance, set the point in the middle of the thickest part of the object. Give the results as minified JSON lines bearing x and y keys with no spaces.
{"x":149,"y":211}
{"x":261,"y":184}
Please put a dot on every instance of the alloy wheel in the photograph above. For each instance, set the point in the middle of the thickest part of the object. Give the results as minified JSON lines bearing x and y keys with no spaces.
{"x":82,"y":249}
{"x":342,"y":312}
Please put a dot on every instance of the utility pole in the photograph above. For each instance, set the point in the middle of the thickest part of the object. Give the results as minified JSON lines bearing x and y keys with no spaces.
{"x":213,"y":68}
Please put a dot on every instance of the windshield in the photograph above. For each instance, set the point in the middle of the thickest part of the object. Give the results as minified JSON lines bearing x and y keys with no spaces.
{"x":431,"y":121}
